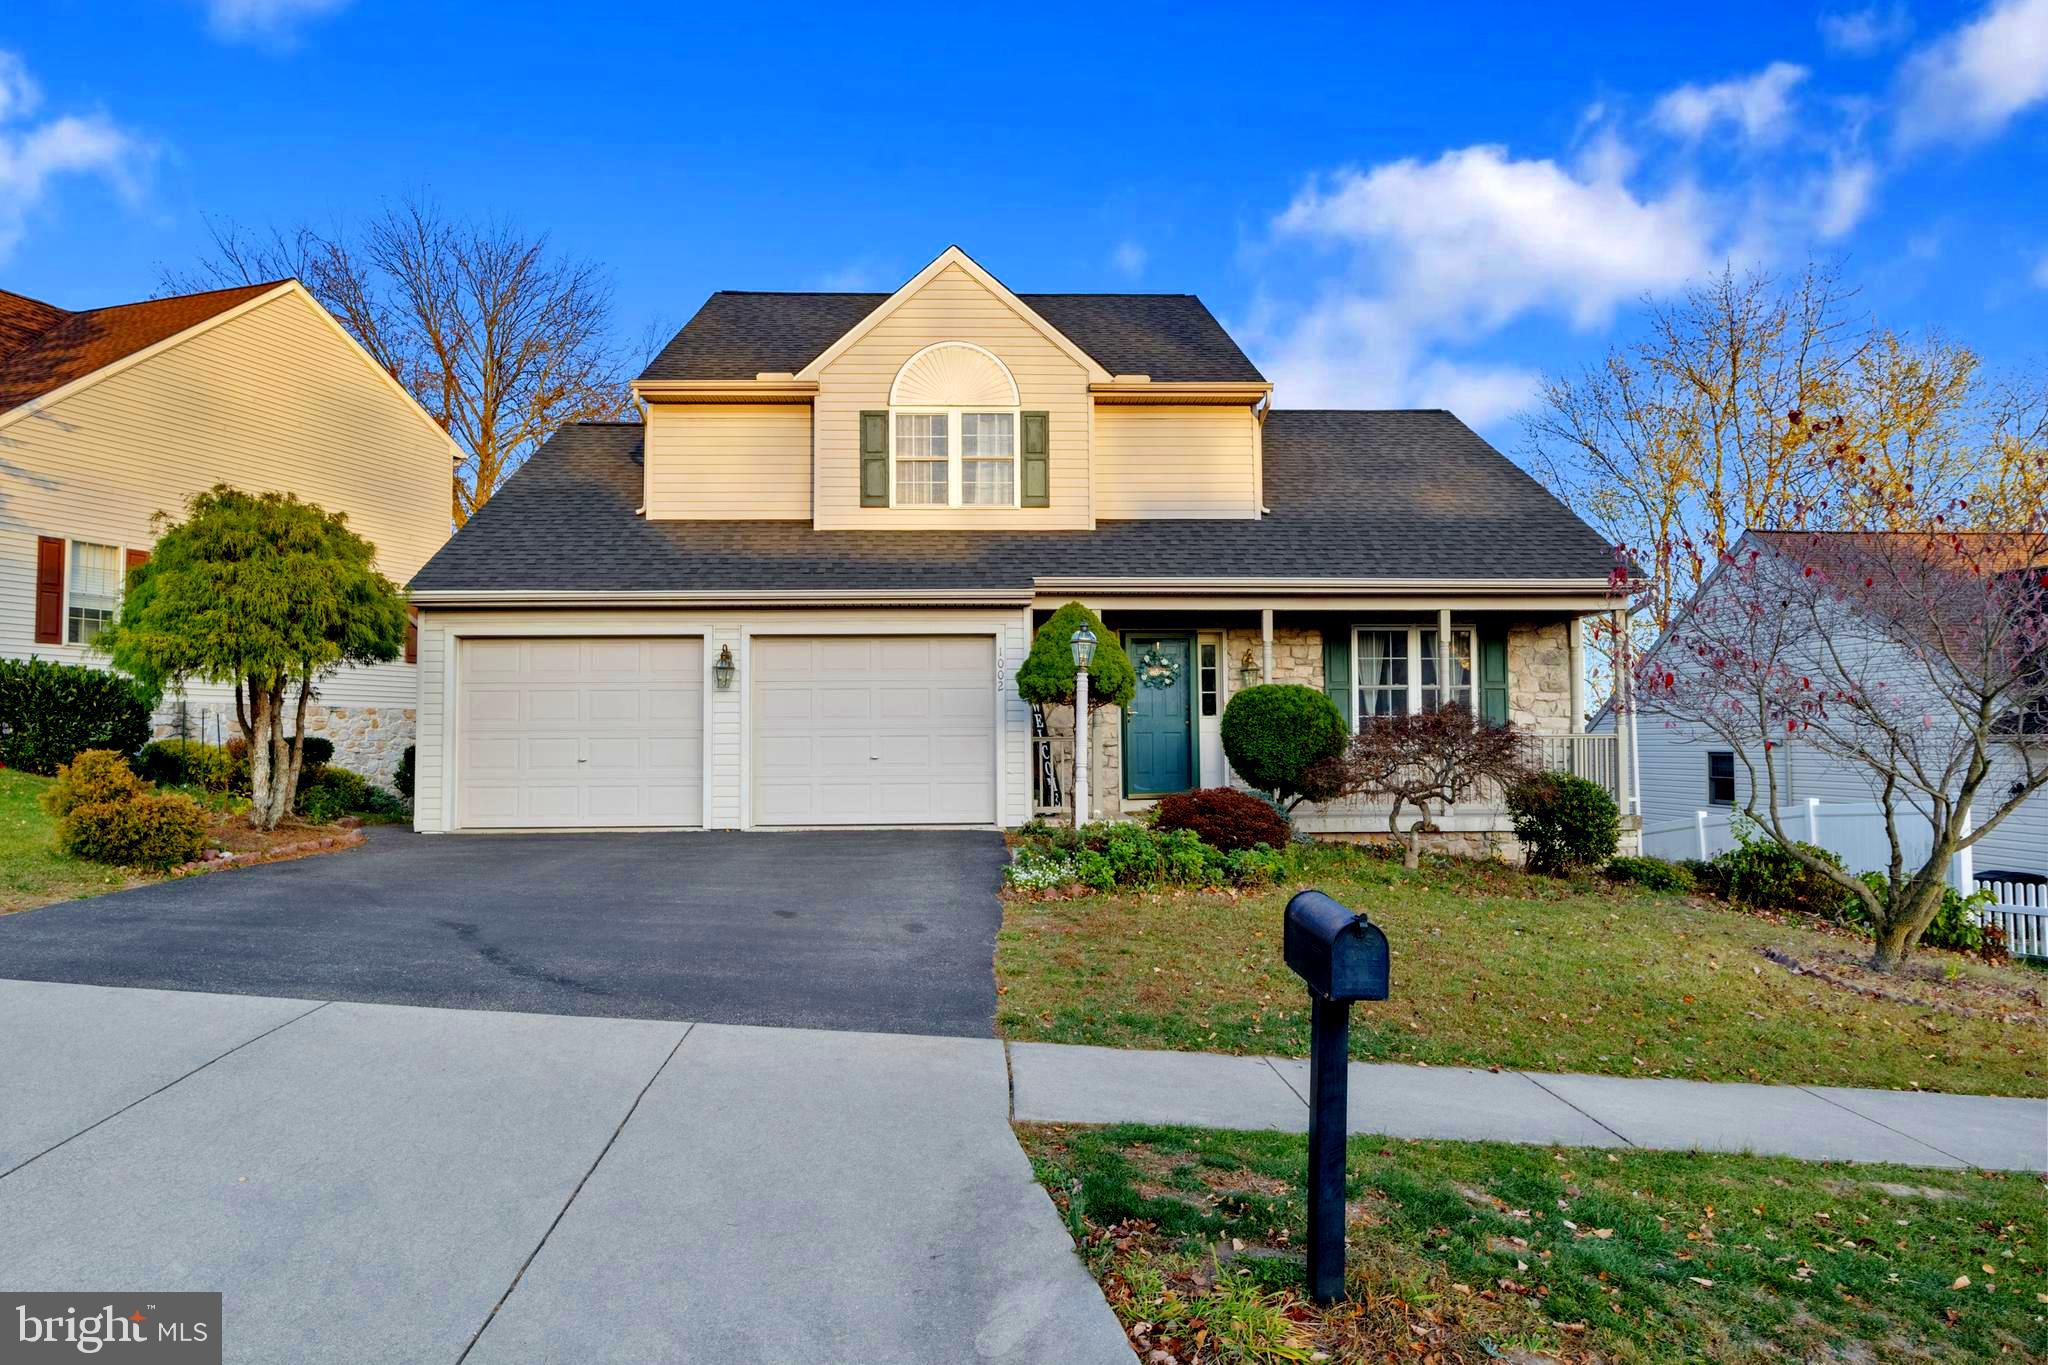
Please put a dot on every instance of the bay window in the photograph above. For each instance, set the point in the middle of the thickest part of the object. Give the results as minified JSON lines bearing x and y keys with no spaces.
{"x":1397,"y":670}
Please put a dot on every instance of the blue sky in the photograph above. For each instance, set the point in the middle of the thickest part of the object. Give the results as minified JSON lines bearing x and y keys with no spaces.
{"x":1416,"y":206}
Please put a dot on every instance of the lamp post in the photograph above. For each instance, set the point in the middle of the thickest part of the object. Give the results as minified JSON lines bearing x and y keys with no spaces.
{"x":1083,"y":644}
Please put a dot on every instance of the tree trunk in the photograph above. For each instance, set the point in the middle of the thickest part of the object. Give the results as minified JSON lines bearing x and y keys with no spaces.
{"x":1899,"y":931}
{"x":1411,"y":848}
{"x":261,"y":719}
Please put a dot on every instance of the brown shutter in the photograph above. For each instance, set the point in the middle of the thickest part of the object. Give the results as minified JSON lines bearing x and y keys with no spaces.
{"x":136,"y":559}
{"x":49,"y":590}
{"x":412,"y":635}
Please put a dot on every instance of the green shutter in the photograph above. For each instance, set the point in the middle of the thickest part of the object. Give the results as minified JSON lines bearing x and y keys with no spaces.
{"x":1037,"y":444}
{"x":1337,"y":670}
{"x":874,"y":459}
{"x":1493,"y":675}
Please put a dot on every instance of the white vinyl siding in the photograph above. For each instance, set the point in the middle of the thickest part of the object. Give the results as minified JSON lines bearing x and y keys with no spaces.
{"x":737,"y":462}
{"x":1176,"y":462}
{"x":271,"y":399}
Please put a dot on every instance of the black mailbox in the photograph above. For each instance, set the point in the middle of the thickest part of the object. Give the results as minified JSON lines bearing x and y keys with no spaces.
{"x":1342,"y":956}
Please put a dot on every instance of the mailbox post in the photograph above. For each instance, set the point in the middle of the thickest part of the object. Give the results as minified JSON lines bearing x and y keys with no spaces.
{"x":1342,"y":957}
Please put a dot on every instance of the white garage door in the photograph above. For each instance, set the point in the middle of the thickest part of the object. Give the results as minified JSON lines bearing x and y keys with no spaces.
{"x":883,"y":730}
{"x":566,"y":733}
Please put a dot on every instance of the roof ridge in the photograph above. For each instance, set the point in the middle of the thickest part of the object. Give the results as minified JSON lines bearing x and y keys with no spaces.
{"x":253,"y":287}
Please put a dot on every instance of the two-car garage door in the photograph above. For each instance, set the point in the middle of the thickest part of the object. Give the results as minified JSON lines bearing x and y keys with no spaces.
{"x":845,"y":730}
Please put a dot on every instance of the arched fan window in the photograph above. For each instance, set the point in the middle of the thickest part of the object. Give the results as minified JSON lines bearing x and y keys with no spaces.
{"x":953,"y":427}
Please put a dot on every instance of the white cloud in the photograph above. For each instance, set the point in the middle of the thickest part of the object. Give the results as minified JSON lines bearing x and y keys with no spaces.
{"x":1972,"y":82}
{"x":33,"y":156}
{"x":1858,"y":33}
{"x":1759,"y":106}
{"x":273,"y":22}
{"x":1452,"y":250}
{"x":1843,"y":196}
{"x":1128,"y":259}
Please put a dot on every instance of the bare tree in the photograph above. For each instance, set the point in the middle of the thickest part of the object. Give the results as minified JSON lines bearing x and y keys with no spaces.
{"x":500,"y":338}
{"x":1919,"y":657}
{"x":1441,"y":757}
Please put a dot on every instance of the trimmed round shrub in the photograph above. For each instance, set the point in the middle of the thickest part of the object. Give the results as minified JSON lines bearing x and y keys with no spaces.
{"x":315,"y":751}
{"x":332,"y":793}
{"x":1275,"y":733}
{"x":186,"y":763}
{"x":1564,"y":822}
{"x":1652,"y":874}
{"x":402,"y":779}
{"x":50,"y":713}
{"x":95,"y":777}
{"x":147,"y":830}
{"x":1224,"y":818}
{"x":1046,"y":677}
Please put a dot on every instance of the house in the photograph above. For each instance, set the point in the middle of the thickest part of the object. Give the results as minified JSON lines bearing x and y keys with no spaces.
{"x":1692,"y":780}
{"x":797,"y":592}
{"x":109,"y":416}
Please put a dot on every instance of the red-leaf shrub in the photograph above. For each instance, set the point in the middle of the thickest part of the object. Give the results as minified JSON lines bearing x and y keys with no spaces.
{"x":1224,"y":818}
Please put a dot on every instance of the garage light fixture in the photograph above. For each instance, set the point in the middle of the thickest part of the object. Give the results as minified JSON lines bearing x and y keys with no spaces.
{"x":722,"y":671}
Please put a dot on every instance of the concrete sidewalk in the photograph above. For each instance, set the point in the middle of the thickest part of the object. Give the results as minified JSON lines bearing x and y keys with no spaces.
{"x":388,"y":1183}
{"x":1058,"y":1084}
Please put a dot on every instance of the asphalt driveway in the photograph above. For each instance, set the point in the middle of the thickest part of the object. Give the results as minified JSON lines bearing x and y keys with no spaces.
{"x":888,"y":931}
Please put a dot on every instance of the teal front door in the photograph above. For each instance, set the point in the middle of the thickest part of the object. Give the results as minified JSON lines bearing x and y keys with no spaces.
{"x":1159,"y":732}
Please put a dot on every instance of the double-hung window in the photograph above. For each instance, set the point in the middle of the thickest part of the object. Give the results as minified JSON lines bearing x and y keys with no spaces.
{"x":1720,"y":777}
{"x":955,"y":457}
{"x":1399,"y":670}
{"x":93,"y":593}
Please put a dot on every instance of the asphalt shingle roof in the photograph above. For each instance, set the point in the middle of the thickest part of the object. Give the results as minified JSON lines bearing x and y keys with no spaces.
{"x":737,"y":334}
{"x":43,"y":347}
{"x":1352,"y":495}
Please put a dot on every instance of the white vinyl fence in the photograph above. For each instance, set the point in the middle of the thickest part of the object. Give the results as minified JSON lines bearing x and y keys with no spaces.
{"x":1854,"y":831}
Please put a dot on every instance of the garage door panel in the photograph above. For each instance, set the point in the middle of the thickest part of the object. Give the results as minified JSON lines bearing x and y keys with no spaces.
{"x":580,"y":732}
{"x":859,"y":730}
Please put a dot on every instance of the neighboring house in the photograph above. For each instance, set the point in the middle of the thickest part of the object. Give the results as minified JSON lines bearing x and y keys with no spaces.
{"x":1691,"y":777}
{"x":798,"y":593}
{"x":109,"y":416}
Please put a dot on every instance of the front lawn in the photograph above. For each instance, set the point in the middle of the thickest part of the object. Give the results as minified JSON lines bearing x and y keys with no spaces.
{"x":32,"y":872}
{"x":1482,"y":1251}
{"x":1495,"y":968}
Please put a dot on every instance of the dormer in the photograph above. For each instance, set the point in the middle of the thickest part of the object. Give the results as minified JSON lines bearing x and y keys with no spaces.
{"x":953,"y":404}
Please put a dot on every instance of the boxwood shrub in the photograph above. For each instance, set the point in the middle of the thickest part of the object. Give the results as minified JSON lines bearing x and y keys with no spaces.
{"x":187,"y":763}
{"x":146,"y":830}
{"x":1564,"y":822}
{"x":51,"y":712}
{"x":1652,"y":874}
{"x":1275,"y":733}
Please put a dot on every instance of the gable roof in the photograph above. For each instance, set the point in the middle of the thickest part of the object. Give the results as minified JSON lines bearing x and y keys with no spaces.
{"x":43,"y":347}
{"x":1353,"y":496}
{"x":738,"y":334}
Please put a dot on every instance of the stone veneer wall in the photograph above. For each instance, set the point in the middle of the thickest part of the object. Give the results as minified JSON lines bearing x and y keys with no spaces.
{"x":367,"y":739}
{"x":1540,"y":677}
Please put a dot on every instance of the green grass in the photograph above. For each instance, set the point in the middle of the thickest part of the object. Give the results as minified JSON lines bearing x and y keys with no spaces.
{"x":1495,"y":968}
{"x":1471,"y":1251}
{"x":32,"y":872}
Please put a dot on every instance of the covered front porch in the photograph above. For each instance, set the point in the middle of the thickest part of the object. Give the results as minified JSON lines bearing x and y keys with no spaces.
{"x":1510,"y":658}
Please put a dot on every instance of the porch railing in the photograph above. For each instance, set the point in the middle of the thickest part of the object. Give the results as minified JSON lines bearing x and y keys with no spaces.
{"x":1596,"y":758}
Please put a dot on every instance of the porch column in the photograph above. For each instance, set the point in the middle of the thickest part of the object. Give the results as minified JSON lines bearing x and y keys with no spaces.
{"x":1443,"y":656}
{"x":1266,"y":645}
{"x":1624,"y":715}
{"x":1575,"y":633}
